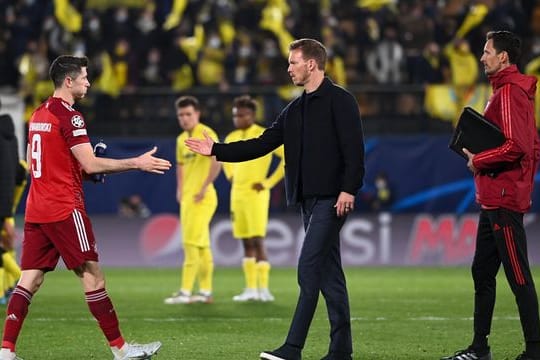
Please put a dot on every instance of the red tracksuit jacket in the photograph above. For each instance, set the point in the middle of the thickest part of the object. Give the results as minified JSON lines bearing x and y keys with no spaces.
{"x":505,"y":174}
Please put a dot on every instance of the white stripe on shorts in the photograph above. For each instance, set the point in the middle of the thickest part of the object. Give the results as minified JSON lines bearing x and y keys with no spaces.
{"x":81,"y":231}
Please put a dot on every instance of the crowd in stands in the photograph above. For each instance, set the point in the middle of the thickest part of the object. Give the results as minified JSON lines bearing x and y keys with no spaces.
{"x":219,"y":44}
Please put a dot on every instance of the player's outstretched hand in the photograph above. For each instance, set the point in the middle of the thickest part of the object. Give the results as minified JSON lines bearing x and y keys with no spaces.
{"x":201,"y":146}
{"x":149,"y":163}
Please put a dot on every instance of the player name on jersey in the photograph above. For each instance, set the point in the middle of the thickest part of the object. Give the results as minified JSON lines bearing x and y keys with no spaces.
{"x":39,"y":126}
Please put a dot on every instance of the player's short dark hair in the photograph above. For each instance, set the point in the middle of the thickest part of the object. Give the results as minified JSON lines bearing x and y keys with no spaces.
{"x":188,"y":100}
{"x":245,"y":101}
{"x":64,"y":66}
{"x":506,"y":41}
{"x":311,"y":49}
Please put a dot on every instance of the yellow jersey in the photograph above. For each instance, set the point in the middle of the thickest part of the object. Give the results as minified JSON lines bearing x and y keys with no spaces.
{"x":195,"y":167}
{"x":244,"y":174}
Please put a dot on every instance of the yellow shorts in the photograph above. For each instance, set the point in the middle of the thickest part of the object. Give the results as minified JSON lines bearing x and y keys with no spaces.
{"x":249,"y":214}
{"x":195,"y":220}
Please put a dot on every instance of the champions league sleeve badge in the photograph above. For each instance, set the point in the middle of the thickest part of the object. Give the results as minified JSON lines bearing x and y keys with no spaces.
{"x":77,"y":121}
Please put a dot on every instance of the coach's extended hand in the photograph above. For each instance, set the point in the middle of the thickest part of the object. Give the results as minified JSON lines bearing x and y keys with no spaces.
{"x":201,"y":146}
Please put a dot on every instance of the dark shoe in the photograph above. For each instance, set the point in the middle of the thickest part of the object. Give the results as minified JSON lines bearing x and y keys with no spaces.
{"x":524,"y":356}
{"x":285,"y":352}
{"x":337,"y":356}
{"x":468,"y":354}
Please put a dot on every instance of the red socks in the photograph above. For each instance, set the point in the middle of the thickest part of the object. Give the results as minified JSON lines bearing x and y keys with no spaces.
{"x":98,"y":301}
{"x":15,"y":314}
{"x":102,"y":308}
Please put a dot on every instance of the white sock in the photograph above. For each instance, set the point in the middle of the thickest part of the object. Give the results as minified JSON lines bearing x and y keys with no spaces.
{"x":6,"y":354}
{"x":120,"y":352}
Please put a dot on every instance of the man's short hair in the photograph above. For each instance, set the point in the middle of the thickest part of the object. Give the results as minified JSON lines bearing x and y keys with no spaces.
{"x":64,"y":66}
{"x":188,"y":100}
{"x":506,"y":41}
{"x":245,"y":101}
{"x":311,"y":49}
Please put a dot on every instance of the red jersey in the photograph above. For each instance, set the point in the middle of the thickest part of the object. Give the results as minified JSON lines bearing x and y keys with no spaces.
{"x":56,"y":186}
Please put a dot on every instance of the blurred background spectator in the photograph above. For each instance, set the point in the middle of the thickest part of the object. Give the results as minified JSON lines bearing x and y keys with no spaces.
{"x":378,"y":195}
{"x":132,"y":206}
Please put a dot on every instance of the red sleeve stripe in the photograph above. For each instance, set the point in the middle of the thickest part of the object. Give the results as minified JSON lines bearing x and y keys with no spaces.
{"x":506,"y":114}
{"x":506,"y":126}
{"x":514,"y":261}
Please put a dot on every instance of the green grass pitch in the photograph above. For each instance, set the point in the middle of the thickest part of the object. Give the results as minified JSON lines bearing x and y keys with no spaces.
{"x":397,"y":313}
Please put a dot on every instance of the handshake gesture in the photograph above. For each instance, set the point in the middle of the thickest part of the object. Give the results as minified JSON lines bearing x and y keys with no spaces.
{"x":201,"y":146}
{"x":99,"y":165}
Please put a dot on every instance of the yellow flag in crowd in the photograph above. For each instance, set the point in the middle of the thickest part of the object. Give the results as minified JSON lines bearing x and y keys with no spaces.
{"x":192,"y":44}
{"x":441,"y":101}
{"x":474,"y":17}
{"x":67,"y":16}
{"x":273,"y":18}
{"x":107,"y":82}
{"x":176,"y":14}
{"x":227,"y":31}
{"x":374,"y":5}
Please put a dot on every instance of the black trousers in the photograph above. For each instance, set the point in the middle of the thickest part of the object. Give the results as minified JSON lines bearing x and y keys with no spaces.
{"x":320,"y":270}
{"x":501,"y":239}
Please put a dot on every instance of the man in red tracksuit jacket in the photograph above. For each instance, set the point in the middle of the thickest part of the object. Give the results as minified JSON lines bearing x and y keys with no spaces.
{"x":504,"y":178}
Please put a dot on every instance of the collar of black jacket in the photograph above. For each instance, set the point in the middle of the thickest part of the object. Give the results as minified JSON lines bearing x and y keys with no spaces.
{"x":323,"y":89}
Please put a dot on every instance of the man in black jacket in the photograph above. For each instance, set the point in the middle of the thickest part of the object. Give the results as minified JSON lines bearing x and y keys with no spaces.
{"x":324,"y":168}
{"x":9,"y":160}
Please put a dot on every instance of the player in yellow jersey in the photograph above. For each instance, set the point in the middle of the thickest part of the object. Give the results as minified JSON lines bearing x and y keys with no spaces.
{"x":197,"y":197}
{"x":250,"y":198}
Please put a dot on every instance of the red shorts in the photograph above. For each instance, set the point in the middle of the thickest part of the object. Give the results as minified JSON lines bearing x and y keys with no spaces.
{"x":72,"y":239}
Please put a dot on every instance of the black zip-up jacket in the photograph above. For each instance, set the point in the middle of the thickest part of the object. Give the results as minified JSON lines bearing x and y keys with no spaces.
{"x":323,"y":142}
{"x":9,"y":160}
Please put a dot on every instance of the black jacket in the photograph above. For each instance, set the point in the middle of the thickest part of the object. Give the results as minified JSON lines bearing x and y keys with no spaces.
{"x":9,"y":160}
{"x":324,"y":154}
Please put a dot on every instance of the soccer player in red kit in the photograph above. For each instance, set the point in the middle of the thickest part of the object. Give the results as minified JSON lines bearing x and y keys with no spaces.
{"x":56,"y":224}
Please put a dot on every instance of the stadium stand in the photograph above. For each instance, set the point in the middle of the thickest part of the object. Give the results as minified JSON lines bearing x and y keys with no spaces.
{"x":396,"y":56}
